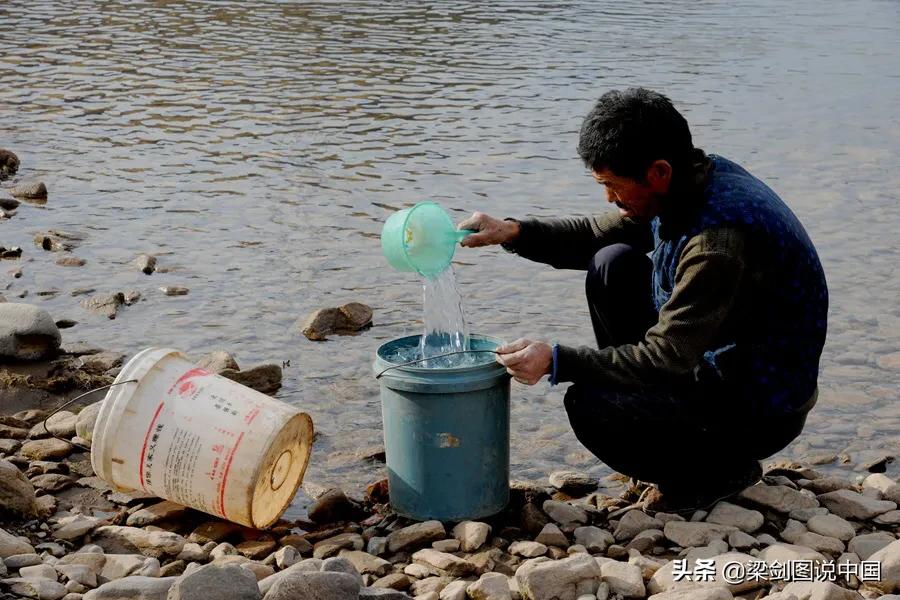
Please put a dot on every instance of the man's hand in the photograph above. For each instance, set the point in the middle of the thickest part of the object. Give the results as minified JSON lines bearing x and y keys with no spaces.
{"x":490,"y":231}
{"x":525,"y":360}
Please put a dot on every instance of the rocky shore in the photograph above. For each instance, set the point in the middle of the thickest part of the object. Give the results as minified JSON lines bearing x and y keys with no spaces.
{"x":67,"y":535}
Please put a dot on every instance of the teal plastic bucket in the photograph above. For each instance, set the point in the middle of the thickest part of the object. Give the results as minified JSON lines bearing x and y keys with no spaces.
{"x":446,"y":435}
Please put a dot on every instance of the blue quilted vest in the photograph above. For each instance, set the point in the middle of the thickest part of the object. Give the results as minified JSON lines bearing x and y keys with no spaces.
{"x":772,"y":358}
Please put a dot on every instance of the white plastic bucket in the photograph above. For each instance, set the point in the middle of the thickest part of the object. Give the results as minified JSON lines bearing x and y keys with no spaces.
{"x":200,"y":440}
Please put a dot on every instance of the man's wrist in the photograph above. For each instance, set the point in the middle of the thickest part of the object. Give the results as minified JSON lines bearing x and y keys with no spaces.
{"x":512,"y":230}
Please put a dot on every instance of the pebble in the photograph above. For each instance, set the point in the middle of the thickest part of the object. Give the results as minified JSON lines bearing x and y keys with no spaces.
{"x":145,"y":263}
{"x":853,"y":505}
{"x":633,"y":522}
{"x":564,"y":513}
{"x":832,"y":526}
{"x":34,"y":190}
{"x":174,"y":290}
{"x":416,"y":535}
{"x":725,"y":513}
{"x":490,"y":586}
{"x":365,"y":563}
{"x":551,"y":535}
{"x":594,"y":539}
{"x":133,"y":588}
{"x":573,"y":482}
{"x":527,"y":549}
{"x":471,"y":535}
{"x":445,"y":562}
{"x":688,"y":534}
{"x":451,"y":545}
{"x":867,"y":544}
{"x":779,"y":498}
{"x":11,"y":545}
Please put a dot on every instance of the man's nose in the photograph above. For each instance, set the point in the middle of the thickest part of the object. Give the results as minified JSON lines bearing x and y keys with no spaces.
{"x":610,"y":196}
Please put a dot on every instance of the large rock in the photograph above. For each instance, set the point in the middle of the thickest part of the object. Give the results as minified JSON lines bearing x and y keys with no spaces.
{"x":84,"y":424}
{"x":852,"y":505}
{"x":11,"y":545}
{"x":415,"y":535}
{"x":126,"y":540}
{"x":726,"y":513}
{"x":688,"y":534}
{"x":343,"y":320}
{"x":133,"y":588}
{"x":222,"y":582}
{"x":16,"y":492}
{"x":471,"y":535}
{"x":780,"y":498}
{"x":327,"y":585}
{"x":27,"y":332}
{"x":558,"y":579}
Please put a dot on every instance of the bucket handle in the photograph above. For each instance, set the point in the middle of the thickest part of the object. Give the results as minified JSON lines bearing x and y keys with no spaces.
{"x":72,"y":401}
{"x":418,"y":360}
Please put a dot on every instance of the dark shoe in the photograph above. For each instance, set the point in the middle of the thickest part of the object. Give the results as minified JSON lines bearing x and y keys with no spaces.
{"x":680,"y":498}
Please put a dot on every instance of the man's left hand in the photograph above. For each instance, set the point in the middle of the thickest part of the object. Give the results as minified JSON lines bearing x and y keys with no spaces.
{"x":525,"y":360}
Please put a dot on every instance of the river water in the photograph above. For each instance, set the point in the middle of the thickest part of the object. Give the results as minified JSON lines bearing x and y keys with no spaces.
{"x":256,"y":149}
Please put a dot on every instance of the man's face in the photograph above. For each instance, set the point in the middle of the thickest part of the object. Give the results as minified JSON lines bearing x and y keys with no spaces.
{"x":636,"y":199}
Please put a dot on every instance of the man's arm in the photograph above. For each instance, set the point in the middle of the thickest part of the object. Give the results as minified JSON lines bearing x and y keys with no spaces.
{"x":707,"y":280}
{"x":571,"y":243}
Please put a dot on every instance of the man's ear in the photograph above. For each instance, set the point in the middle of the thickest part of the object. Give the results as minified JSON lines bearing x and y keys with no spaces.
{"x":659,"y":176}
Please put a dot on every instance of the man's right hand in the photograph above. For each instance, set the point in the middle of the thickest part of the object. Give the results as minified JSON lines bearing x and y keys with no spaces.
{"x":491,"y":231}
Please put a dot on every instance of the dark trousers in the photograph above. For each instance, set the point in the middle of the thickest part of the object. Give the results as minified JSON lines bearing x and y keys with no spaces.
{"x":681,"y":434}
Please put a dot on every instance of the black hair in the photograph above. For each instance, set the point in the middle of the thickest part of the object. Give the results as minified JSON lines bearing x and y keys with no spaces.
{"x":628,"y":130}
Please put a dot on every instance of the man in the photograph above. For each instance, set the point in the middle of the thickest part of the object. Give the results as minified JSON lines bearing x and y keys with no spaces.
{"x":707,"y":349}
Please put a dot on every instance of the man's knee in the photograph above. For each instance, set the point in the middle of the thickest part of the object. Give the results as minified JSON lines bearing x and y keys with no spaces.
{"x":612,"y":265}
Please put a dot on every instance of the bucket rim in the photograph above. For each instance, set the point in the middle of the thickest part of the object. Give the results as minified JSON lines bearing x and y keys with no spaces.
{"x":381,"y":362}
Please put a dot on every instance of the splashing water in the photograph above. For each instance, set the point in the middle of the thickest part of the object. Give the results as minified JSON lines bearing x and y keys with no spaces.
{"x":445,"y":329}
{"x":445,"y":323}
